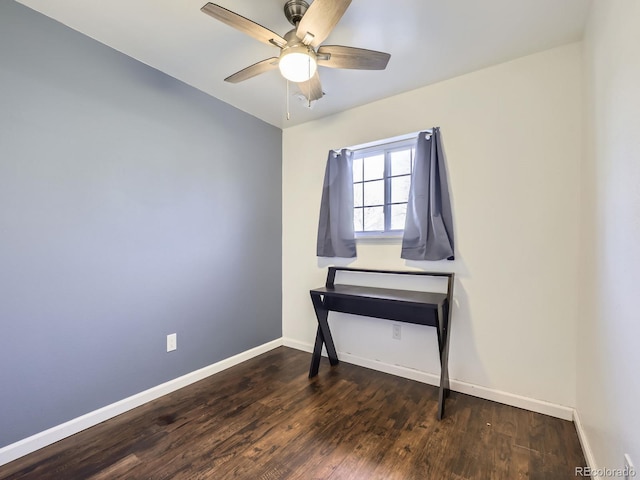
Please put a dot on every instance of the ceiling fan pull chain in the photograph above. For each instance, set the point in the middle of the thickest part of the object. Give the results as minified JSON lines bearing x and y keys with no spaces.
{"x":288,"y":113}
{"x":309,"y":97}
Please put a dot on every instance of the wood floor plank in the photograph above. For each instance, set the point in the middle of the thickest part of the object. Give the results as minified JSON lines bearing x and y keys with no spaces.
{"x":266,"y":420}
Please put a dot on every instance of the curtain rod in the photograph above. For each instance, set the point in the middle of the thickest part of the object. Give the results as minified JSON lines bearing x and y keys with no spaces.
{"x":385,"y":142}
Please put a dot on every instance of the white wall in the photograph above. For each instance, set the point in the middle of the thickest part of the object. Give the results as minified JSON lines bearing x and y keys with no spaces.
{"x":608,"y":386}
{"x":512,"y":134}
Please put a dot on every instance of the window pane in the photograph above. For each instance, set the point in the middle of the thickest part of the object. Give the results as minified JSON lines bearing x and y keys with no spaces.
{"x":357,"y":195}
{"x":357,"y":219}
{"x":374,"y":193}
{"x":374,"y":167}
{"x":398,"y":214}
{"x":401,"y":162}
{"x":381,"y":184}
{"x":357,"y":170}
{"x":373,"y":219}
{"x":400,"y":188}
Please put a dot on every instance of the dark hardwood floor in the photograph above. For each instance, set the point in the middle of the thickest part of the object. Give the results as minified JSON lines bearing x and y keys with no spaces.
{"x":265,"y":420}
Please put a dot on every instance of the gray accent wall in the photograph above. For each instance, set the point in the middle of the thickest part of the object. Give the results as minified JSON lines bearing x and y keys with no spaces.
{"x":132,"y":206}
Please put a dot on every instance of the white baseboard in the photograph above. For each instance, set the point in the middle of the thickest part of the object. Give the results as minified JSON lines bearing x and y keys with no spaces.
{"x":586,"y":448}
{"x":534,"y":405}
{"x":39,"y":440}
{"x":290,"y":342}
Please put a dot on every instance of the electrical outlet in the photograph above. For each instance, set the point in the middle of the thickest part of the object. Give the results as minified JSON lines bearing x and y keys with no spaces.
{"x":396,"y":332}
{"x":629,"y":469}
{"x":172,"y":342}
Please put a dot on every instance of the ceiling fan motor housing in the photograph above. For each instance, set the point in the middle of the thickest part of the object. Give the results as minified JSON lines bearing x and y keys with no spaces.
{"x":294,"y":10}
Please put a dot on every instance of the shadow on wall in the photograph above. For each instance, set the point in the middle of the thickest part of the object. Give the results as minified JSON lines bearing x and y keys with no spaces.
{"x":464,"y":361}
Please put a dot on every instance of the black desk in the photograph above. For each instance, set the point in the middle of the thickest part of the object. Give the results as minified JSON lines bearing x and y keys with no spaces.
{"x":421,"y":308}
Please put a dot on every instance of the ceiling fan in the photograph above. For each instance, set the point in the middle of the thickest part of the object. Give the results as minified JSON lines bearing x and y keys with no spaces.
{"x":300,"y":50}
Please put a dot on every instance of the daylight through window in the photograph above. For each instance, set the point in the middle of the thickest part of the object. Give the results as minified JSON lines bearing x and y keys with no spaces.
{"x":381,"y":182}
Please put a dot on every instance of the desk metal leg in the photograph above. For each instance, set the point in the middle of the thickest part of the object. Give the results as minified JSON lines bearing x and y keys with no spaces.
{"x":317,"y":352}
{"x":443,"y":347}
{"x":323,"y":336}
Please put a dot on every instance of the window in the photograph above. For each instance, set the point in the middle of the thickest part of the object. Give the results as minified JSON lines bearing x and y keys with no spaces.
{"x":381,"y":182}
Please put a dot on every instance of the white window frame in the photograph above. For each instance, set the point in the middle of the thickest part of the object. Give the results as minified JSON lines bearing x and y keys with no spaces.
{"x":385,"y":148}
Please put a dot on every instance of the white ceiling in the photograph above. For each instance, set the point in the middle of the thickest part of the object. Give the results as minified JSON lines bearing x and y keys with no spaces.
{"x":429,"y":41}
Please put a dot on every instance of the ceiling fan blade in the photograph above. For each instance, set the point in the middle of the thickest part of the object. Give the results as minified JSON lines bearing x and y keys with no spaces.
{"x":243,"y":24}
{"x":312,"y":88}
{"x":320,"y":18}
{"x":355,"y":58}
{"x":253,"y":70}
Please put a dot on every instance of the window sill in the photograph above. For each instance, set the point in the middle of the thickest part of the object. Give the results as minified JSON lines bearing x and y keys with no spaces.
{"x":386,"y":238}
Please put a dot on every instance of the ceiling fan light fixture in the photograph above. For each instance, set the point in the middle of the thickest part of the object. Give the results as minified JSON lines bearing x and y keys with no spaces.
{"x":298,"y":64}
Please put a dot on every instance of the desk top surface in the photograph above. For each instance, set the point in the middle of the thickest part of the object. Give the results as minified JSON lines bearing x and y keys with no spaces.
{"x":387,"y":294}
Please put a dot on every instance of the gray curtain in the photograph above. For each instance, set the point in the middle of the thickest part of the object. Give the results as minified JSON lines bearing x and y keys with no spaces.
{"x":335,"y":230}
{"x":428,"y":231}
